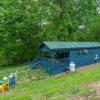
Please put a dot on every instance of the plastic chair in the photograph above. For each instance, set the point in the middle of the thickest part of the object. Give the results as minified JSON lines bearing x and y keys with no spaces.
{"x":1,"y":88}
{"x":4,"y":85}
{"x":12,"y":80}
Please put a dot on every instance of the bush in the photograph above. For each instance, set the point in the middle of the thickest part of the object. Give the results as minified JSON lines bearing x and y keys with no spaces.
{"x":38,"y":73}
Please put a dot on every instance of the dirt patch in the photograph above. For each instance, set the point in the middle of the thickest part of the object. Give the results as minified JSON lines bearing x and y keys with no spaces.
{"x":5,"y":93}
{"x":96,"y":87}
{"x":85,"y":68}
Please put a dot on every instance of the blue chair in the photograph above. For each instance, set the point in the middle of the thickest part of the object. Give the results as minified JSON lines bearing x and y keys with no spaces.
{"x":12,"y":81}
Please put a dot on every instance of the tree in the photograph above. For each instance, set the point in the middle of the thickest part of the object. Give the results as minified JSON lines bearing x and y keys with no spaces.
{"x":67,"y":15}
{"x":19,"y":29}
{"x":24,"y":24}
{"x":95,"y":28}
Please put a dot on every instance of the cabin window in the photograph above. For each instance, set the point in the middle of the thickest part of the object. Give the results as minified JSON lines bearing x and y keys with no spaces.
{"x":62,"y":54}
{"x":79,"y":52}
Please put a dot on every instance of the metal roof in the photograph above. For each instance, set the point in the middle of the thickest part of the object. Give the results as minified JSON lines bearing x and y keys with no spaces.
{"x":69,"y":45}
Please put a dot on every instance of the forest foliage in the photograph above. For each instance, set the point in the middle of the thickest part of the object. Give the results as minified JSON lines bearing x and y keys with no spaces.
{"x":25,"y":24}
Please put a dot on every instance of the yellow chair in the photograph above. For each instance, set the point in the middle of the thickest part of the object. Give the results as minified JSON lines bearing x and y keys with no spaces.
{"x":4,"y":86}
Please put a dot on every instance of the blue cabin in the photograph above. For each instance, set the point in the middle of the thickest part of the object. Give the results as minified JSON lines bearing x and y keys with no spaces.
{"x":56,"y":56}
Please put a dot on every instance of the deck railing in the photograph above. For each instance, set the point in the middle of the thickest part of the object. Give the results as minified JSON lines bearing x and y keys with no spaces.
{"x":48,"y":63}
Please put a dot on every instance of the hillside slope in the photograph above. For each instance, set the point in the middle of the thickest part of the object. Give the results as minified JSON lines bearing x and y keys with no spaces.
{"x":68,"y":85}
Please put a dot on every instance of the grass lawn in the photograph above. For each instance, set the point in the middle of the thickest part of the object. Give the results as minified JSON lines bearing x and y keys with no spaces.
{"x":59,"y":87}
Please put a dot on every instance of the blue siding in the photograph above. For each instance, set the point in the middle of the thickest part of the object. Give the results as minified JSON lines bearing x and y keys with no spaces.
{"x":52,"y":70}
{"x":55,"y":67}
{"x":45,"y":48}
{"x":57,"y":70}
{"x":84,"y":59}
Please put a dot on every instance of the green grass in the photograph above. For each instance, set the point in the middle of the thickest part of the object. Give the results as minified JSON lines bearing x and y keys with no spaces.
{"x":51,"y":88}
